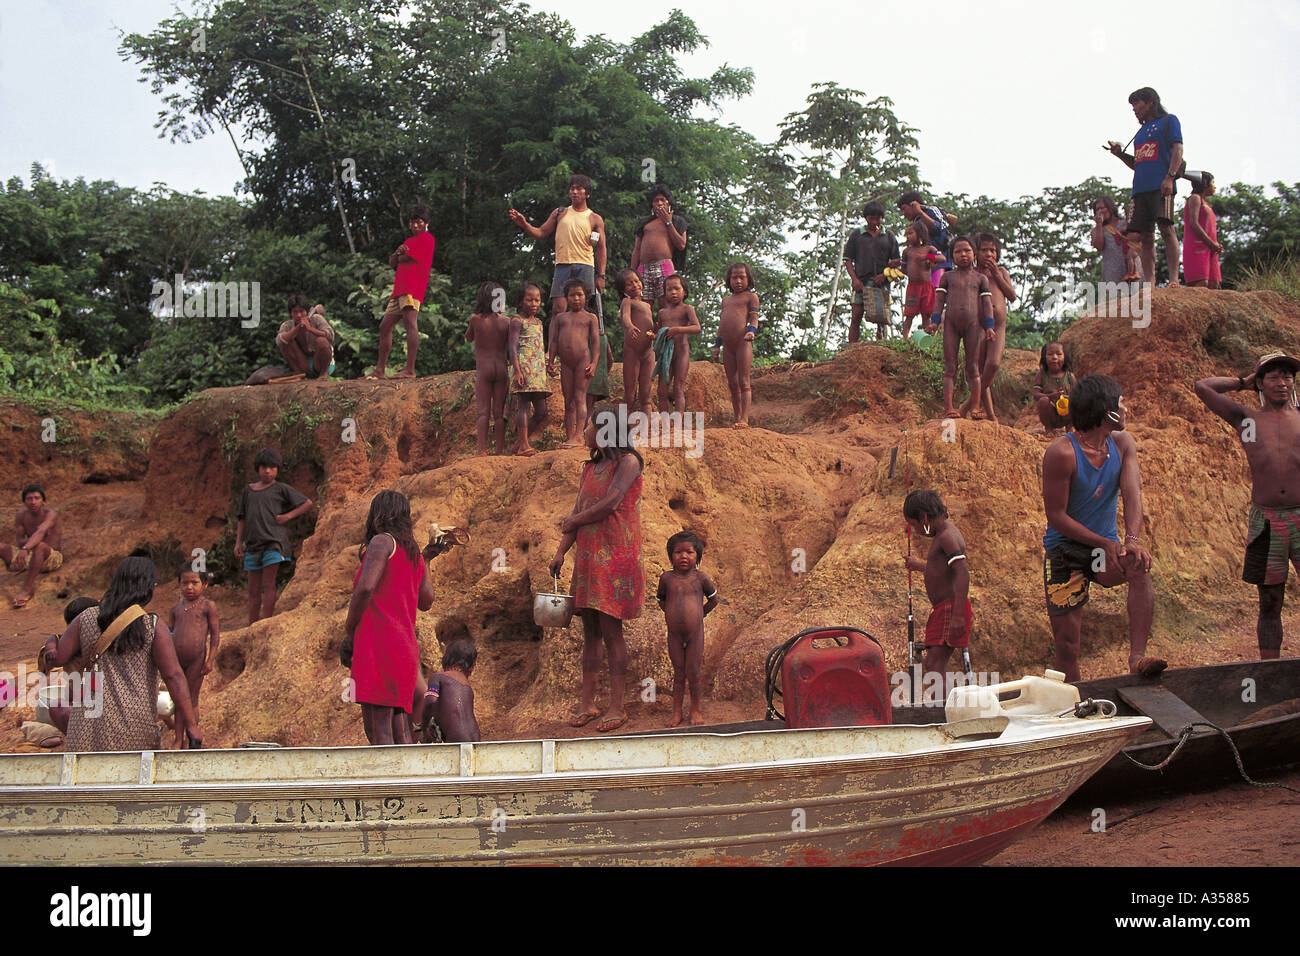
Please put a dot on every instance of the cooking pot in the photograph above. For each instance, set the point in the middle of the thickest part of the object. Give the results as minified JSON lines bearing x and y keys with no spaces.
{"x":553,"y":610}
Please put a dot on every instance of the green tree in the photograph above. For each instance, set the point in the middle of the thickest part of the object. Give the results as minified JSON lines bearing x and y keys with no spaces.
{"x":840,"y":151}
{"x":471,"y":106}
{"x":1256,"y":229}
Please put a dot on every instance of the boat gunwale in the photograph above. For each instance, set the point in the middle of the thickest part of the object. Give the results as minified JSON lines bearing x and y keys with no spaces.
{"x":543,"y":782}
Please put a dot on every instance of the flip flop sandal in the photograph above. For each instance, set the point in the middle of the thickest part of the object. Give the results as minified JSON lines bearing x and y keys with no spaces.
{"x":605,"y":726}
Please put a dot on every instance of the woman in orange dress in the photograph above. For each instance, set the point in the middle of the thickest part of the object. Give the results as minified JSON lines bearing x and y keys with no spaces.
{"x":608,"y":580}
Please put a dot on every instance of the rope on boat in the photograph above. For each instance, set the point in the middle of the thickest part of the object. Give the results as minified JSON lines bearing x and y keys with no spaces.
{"x":1186,"y":735}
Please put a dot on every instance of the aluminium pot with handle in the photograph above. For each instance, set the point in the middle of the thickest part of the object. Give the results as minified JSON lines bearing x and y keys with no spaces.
{"x":553,"y":609}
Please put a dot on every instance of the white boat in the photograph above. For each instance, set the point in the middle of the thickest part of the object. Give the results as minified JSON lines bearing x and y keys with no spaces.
{"x":950,"y":793}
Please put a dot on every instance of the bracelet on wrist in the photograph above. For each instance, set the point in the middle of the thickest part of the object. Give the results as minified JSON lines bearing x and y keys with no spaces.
{"x":1132,"y":537}
{"x":1241,"y":384}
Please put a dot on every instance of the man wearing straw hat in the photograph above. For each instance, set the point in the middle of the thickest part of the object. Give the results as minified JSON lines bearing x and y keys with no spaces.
{"x":1270,"y":436}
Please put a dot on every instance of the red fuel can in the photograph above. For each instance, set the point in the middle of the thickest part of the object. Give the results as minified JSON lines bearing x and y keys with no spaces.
{"x":835,"y":677}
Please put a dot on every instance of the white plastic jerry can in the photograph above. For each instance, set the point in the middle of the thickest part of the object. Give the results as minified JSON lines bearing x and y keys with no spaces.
{"x":1038,"y":696}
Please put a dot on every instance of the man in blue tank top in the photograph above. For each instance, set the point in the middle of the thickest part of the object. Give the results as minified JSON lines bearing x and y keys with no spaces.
{"x":1084,"y":474}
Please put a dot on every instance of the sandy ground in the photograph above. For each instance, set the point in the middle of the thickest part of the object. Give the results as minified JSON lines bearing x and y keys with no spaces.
{"x":1234,"y":825}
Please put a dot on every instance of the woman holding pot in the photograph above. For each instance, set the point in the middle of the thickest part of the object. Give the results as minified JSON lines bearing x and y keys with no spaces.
{"x":380,"y":645}
{"x":608,"y":580}
{"x":122,"y":650}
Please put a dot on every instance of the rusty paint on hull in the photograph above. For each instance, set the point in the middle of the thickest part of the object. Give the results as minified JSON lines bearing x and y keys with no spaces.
{"x":892,"y":795}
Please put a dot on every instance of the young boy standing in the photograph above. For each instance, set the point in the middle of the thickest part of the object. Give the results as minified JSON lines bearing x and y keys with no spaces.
{"x":196,"y":630}
{"x":261,"y":538}
{"x":989,"y":356}
{"x":686,"y":596}
{"x":638,"y":343}
{"x":947,"y":579}
{"x":677,"y":320}
{"x":574,"y":340}
{"x":920,"y":259}
{"x":413,"y":259}
{"x":737,"y":327}
{"x":964,"y":294}
{"x":489,"y":330}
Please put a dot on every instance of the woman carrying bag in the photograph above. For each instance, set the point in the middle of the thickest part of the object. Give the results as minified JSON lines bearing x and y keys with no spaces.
{"x":122,"y":651}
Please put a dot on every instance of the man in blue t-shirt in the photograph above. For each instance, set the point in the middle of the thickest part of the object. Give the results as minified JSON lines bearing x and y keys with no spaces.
{"x":1157,"y":163}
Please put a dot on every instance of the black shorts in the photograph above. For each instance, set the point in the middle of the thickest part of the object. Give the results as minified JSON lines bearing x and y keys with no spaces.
{"x":1149,"y":209}
{"x":1068,"y":569}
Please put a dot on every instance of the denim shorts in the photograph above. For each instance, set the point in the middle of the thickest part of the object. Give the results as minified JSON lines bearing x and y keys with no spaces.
{"x":257,"y":560}
{"x":574,"y":270}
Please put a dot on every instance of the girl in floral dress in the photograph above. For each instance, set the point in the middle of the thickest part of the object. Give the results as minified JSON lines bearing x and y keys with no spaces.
{"x":527,"y":353}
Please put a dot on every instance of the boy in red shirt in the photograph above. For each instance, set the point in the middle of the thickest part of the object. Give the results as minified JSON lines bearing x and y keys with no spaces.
{"x":413,"y":259}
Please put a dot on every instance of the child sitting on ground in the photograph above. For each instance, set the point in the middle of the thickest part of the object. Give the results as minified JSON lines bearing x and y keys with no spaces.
{"x":449,"y":701}
{"x":677,"y":321}
{"x":737,"y":327}
{"x":947,"y":581}
{"x":574,"y":340}
{"x":489,"y":330}
{"x":261,"y":538}
{"x":964,"y":294}
{"x":638,"y":342}
{"x":919,"y":261}
{"x":196,"y":630}
{"x":989,"y":354}
{"x":686,"y":596}
{"x":1052,"y":384}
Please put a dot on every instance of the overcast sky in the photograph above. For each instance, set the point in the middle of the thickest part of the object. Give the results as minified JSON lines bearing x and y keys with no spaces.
{"x":1010,"y":96}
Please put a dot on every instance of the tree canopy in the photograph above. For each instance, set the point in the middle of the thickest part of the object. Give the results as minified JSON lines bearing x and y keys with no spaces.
{"x":344,"y":113}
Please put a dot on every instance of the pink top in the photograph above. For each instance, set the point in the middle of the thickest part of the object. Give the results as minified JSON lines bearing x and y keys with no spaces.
{"x":1192,"y":244}
{"x":385,"y":652}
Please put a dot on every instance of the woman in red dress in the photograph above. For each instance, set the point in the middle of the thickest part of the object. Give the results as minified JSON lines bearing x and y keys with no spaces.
{"x":608,"y":580}
{"x":380,"y":641}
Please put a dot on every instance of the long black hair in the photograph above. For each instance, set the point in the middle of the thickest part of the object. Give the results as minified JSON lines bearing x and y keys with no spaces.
{"x":133,"y":583}
{"x":1148,"y":95}
{"x":483,"y":302}
{"x":390,"y":513}
{"x":607,"y":418}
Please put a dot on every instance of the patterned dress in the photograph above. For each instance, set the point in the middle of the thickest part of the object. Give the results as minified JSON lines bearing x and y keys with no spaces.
{"x":532,"y":358}
{"x":128,"y":695}
{"x":607,"y":572}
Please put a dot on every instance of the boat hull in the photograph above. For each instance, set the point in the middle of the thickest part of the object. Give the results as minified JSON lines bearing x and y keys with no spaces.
{"x":889,"y":795}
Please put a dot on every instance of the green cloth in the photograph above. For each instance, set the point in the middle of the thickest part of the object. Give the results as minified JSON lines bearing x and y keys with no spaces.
{"x":599,"y":385}
{"x":663,"y":357}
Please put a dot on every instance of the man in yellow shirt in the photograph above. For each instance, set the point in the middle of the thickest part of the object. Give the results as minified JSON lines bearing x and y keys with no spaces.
{"x":579,"y":242}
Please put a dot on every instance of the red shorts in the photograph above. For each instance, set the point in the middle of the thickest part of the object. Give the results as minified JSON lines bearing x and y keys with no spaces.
{"x":936,"y":628}
{"x":920,"y":300}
